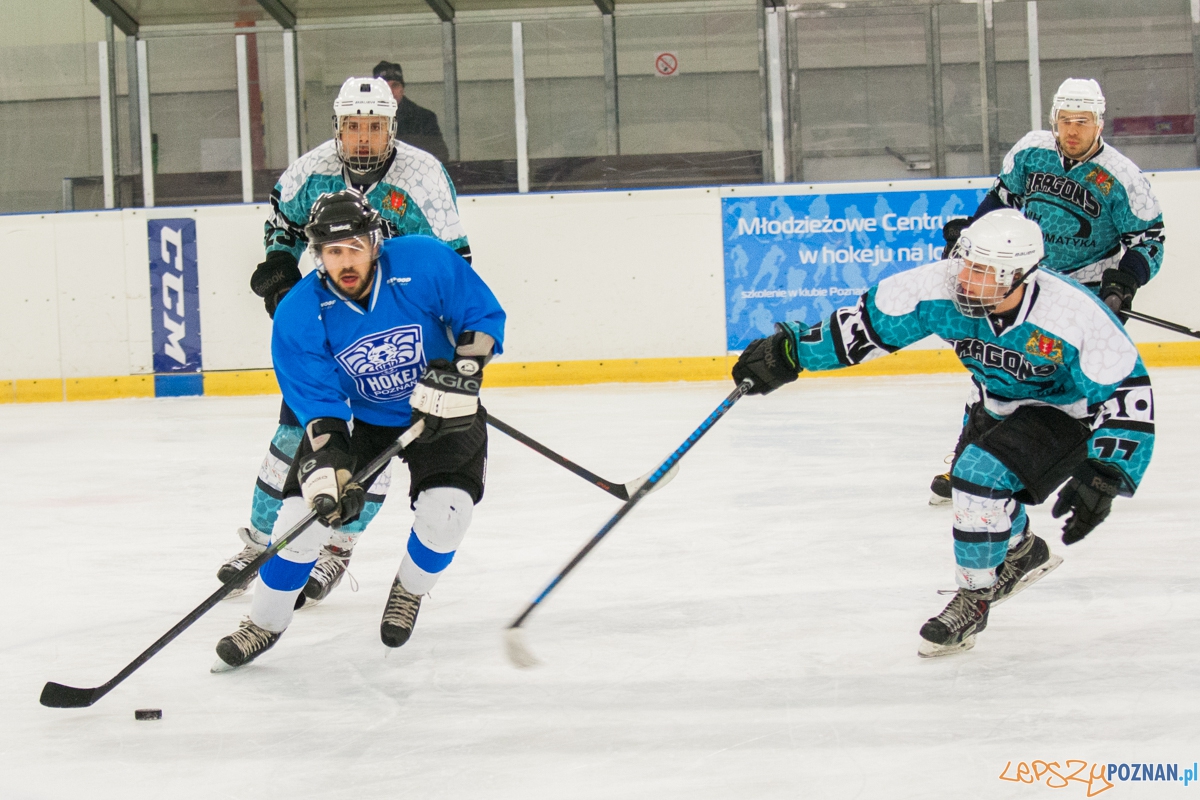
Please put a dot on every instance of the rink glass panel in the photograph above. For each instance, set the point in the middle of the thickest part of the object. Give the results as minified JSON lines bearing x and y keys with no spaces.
{"x":328,"y":57}
{"x":1141,"y":53}
{"x":50,"y":106}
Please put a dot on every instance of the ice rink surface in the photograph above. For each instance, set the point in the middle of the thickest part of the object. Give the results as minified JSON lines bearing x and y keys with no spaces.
{"x":748,"y":632}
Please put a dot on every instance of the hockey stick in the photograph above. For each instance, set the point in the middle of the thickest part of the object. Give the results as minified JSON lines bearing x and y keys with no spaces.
{"x":55,"y":695}
{"x":621,"y":491}
{"x":518,"y":651}
{"x":1162,"y":323}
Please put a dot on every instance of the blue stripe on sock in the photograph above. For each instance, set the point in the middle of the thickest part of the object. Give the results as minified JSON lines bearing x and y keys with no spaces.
{"x":431,"y":561}
{"x":285,"y":576}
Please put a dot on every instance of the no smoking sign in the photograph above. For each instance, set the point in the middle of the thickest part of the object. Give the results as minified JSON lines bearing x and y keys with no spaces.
{"x":666,"y":64}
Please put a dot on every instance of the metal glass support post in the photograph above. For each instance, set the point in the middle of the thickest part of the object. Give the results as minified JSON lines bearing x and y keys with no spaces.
{"x":775,"y":96}
{"x":292,"y":98}
{"x":933,"y":62}
{"x":106,"y":137}
{"x":612,"y":115}
{"x":1196,"y":71}
{"x":989,"y":106}
{"x":111,"y":40}
{"x":243,"y":86}
{"x":143,"y":84}
{"x":450,"y":89}
{"x":131,"y":78}
{"x":1035,"y":67}
{"x":522,"y":122}
{"x":768,"y":170}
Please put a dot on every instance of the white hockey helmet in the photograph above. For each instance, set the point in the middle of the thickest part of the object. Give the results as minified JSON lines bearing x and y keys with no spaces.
{"x":1078,"y":94}
{"x":365,"y":97}
{"x":1009,"y":245}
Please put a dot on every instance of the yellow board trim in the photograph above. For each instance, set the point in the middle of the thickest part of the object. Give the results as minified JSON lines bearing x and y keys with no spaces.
{"x":546,"y":373}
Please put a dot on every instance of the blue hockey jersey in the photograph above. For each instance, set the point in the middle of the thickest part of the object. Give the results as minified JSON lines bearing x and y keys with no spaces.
{"x":1064,"y":349}
{"x":333,"y":358}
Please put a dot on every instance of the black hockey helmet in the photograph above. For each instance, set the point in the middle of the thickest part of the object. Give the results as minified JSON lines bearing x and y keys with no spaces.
{"x":342,"y":215}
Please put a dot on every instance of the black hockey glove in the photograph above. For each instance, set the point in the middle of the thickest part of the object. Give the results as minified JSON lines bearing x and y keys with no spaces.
{"x":273,"y":277}
{"x":445,"y":399}
{"x":1088,"y":495}
{"x":769,"y":362}
{"x":951,"y":232}
{"x":325,"y":474}
{"x":1117,"y":288}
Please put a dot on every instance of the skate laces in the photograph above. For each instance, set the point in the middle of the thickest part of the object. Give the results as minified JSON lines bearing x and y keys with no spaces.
{"x":250,"y":638}
{"x":247,"y":555}
{"x":401,"y":609}
{"x":960,"y":611}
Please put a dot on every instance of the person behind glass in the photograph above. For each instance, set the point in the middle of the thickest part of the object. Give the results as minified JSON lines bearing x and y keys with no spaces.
{"x":415,"y":124}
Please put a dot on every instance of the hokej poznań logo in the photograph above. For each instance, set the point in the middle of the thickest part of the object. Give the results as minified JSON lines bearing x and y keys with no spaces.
{"x":1096,"y":777}
{"x":385,"y":366}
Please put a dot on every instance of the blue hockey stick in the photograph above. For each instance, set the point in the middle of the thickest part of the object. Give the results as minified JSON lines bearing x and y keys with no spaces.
{"x":518,"y":652}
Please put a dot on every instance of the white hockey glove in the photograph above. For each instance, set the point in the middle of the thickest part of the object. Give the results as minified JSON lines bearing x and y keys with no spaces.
{"x":325,"y":474}
{"x":447,"y":400}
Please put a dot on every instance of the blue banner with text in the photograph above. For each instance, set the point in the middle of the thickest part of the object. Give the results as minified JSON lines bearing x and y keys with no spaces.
{"x":799,"y":257}
{"x":174,"y":295}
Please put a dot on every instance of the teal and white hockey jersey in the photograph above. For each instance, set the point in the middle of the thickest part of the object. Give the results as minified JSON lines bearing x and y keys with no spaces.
{"x":415,"y":195}
{"x":1064,"y":349}
{"x":1090,"y":214}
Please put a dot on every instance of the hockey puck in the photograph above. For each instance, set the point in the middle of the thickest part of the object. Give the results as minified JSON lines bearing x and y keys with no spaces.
{"x":148,"y":713}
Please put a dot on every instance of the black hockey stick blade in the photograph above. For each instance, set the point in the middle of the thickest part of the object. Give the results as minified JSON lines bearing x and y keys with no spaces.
{"x":56,"y":695}
{"x":1162,"y":323}
{"x":518,"y":651}
{"x":617,"y":490}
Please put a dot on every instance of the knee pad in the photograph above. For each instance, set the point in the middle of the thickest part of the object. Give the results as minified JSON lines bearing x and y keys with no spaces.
{"x":442,"y":516}
{"x":305,"y":547}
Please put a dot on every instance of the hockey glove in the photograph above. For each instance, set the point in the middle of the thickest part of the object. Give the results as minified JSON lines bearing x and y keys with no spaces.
{"x":273,"y":277}
{"x":1088,"y":495}
{"x":769,"y":362}
{"x":1117,"y":288}
{"x":325,"y":474}
{"x":445,"y":399}
{"x":951,"y":232}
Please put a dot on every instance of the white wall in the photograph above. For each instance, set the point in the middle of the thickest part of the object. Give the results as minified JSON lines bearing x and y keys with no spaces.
{"x":583,"y":276}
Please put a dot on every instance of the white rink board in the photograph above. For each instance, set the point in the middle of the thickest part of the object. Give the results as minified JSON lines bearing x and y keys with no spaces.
{"x":748,"y":632}
{"x":583,"y":276}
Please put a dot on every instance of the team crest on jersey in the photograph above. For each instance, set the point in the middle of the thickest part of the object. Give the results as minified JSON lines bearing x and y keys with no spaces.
{"x":385,"y":366}
{"x":1103,"y":180}
{"x":396,"y":201}
{"x":1040,"y":344}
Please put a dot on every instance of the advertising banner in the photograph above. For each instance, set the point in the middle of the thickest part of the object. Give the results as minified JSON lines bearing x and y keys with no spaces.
{"x":174,"y":295}
{"x":800,"y":256}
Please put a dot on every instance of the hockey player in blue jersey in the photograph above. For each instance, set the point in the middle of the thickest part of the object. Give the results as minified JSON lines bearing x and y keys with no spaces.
{"x":1101,"y":222}
{"x":382,"y":334}
{"x":1060,"y":394}
{"x":413,"y":194}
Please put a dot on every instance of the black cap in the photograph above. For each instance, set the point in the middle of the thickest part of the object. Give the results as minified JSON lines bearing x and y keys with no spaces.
{"x":389,"y":71}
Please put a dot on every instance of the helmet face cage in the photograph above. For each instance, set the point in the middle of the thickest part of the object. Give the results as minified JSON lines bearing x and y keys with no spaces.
{"x":978,"y":296}
{"x":374,"y":134}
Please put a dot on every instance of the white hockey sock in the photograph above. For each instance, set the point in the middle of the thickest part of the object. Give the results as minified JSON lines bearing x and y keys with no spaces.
{"x":283,"y":577}
{"x":442,"y":516}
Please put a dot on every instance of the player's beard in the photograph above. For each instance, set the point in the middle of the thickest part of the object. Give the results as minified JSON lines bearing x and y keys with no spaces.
{"x":361,"y":287}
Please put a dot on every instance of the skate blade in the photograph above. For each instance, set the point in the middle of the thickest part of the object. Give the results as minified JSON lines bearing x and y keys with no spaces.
{"x":220,"y":666}
{"x":1033,"y":577}
{"x":236,"y":593}
{"x":927,"y":649}
{"x":938,"y":500}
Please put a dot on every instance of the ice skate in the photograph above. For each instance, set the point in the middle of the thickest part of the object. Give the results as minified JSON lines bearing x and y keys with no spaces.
{"x":327,"y":573}
{"x":1024,"y":565}
{"x":244,"y":645}
{"x":940,"y":494}
{"x":399,"y":616}
{"x":234,"y":566}
{"x":953,"y":630}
